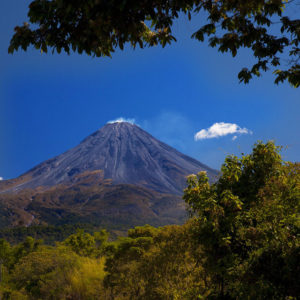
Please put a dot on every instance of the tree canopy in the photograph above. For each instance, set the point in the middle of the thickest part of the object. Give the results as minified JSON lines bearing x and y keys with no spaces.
{"x":247,"y":224}
{"x":241,"y":243}
{"x":98,"y":27}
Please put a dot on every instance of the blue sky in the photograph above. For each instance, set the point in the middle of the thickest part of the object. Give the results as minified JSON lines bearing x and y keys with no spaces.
{"x":49,"y":103}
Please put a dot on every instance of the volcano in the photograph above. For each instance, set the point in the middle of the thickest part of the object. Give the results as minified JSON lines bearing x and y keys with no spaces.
{"x":118,"y":175}
{"x":126,"y":154}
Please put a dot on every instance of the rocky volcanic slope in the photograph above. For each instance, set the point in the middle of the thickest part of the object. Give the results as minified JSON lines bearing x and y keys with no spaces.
{"x":117,"y":178}
{"x":125,"y":153}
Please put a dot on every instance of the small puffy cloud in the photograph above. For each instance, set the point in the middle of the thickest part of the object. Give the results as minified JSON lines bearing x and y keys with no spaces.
{"x":234,"y":138}
{"x":121,"y":120}
{"x":1,"y":178}
{"x":220,"y":129}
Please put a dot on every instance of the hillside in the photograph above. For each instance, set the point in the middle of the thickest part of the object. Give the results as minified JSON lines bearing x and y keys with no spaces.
{"x":118,"y":176}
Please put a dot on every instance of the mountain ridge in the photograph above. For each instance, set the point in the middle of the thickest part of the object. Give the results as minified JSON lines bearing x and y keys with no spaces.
{"x":125,"y":153}
{"x":118,"y":177}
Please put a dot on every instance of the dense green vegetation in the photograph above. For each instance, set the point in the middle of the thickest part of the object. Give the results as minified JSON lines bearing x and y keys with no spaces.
{"x":48,"y":233}
{"x":241,"y":242}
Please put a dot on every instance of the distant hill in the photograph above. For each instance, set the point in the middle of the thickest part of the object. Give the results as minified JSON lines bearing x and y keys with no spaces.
{"x":118,"y":176}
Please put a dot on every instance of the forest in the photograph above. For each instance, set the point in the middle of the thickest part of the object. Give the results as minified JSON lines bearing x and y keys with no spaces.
{"x":241,"y":241}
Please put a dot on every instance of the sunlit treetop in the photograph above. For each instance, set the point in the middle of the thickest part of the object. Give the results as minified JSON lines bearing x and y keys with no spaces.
{"x":98,"y":27}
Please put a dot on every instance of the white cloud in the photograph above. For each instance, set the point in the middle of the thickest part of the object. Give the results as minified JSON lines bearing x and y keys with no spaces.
{"x":220,"y":129}
{"x":1,"y":178}
{"x":121,"y":119}
{"x":234,"y":138}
